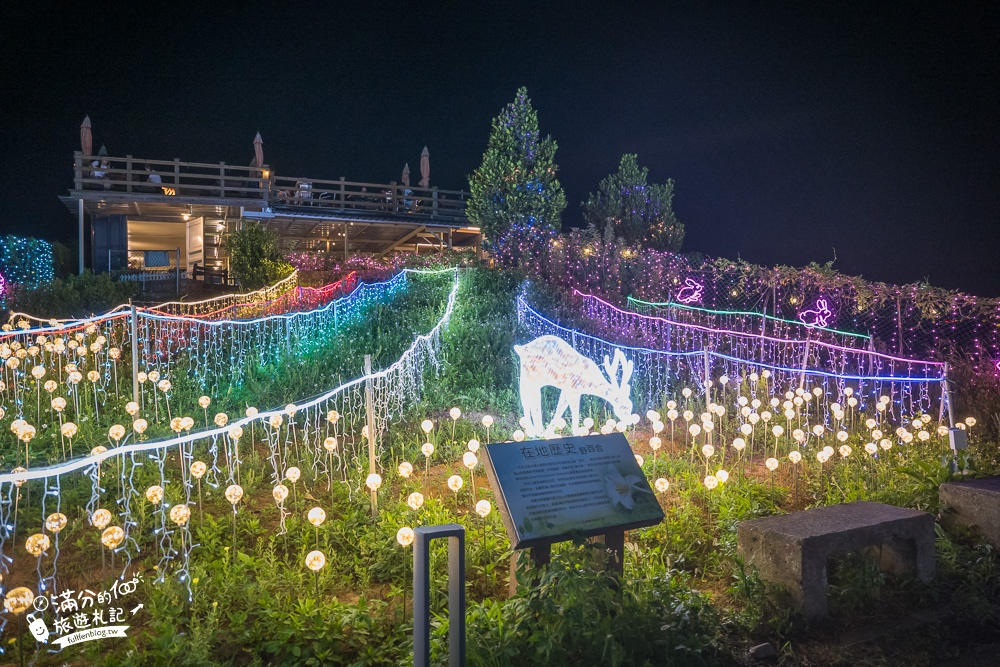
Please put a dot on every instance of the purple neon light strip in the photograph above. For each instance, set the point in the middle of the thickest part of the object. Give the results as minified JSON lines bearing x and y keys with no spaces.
{"x":796,"y":371}
{"x":685,"y":325}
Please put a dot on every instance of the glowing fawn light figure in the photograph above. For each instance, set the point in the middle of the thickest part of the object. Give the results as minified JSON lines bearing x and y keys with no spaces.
{"x":549,"y":361}
{"x":820,"y":317}
{"x":691,"y":292}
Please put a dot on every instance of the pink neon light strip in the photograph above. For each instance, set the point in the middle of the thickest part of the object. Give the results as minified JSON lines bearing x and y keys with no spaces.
{"x":684,"y":325}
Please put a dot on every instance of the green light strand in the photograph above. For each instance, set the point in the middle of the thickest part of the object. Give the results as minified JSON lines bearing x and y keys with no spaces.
{"x":671,"y":304}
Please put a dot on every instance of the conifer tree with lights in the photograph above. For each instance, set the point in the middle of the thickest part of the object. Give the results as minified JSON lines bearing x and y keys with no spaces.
{"x":516,"y":199}
{"x":627,"y":208}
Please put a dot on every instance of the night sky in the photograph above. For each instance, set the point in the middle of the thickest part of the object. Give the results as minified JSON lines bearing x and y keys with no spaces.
{"x":792,"y":130}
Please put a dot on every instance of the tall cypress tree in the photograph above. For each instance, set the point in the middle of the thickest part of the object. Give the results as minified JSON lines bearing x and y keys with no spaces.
{"x":629,"y":208}
{"x":515,"y":196}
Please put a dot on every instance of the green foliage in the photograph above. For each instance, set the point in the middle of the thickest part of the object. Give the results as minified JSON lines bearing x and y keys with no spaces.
{"x":254,"y":256}
{"x":630,"y":209}
{"x":514,"y":192}
{"x":481,"y":372}
{"x":575,"y":613}
{"x":64,"y":260}
{"x":76,"y":296}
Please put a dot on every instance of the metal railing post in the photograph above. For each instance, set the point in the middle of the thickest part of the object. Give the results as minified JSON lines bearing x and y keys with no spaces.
{"x":422,"y":593}
{"x":134,"y":326}
{"x":79,"y":249}
{"x":77,"y":170}
{"x":805,"y":363}
{"x":370,"y":418}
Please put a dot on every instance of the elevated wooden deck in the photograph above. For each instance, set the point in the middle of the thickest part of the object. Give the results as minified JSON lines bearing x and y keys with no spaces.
{"x":308,"y":213}
{"x":125,"y":179}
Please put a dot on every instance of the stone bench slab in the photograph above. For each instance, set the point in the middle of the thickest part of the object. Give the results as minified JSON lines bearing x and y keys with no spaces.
{"x":974,"y":503}
{"x":793,"y":549}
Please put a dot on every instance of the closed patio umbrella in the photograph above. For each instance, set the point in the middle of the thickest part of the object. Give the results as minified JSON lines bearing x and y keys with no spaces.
{"x":86,"y":137}
{"x":425,"y":168}
{"x":406,"y":174}
{"x":258,"y":150}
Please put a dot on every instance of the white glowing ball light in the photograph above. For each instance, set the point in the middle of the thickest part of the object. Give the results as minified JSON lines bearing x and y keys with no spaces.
{"x":455,"y":483}
{"x":373,"y":481}
{"x":473,"y":445}
{"x":405,"y":469}
{"x":415,"y":500}
{"x":315,"y":560}
{"x":771,"y":464}
{"x":483,"y":508}
{"x":469,"y":460}
{"x":662,"y":485}
{"x":427,"y":426}
{"x":405,"y":536}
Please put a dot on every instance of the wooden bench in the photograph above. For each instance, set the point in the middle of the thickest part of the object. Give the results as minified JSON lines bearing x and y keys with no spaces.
{"x":792,"y":549}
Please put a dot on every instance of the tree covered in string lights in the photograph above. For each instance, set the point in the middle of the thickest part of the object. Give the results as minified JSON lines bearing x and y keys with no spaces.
{"x":516,"y":198}
{"x":628,"y":208}
{"x":25,"y":261}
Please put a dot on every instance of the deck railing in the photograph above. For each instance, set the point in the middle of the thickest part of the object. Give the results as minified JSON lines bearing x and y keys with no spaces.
{"x":195,"y":180}
{"x":387,"y":198}
{"x":177,"y":179}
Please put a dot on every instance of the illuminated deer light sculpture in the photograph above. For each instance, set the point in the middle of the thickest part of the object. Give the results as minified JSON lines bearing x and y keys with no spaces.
{"x":550,"y":361}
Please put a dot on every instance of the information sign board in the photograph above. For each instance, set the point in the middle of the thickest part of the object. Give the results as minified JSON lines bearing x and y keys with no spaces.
{"x":555,"y":490}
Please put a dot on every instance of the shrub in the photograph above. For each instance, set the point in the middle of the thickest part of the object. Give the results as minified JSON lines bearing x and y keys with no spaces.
{"x":76,"y":296}
{"x":576,"y":615}
{"x":255,"y":258}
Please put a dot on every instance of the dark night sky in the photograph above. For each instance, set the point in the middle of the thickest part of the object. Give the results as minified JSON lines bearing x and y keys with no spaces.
{"x":790,"y":129}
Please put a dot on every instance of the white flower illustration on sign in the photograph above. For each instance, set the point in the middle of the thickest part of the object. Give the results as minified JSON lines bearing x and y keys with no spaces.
{"x":620,"y":488}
